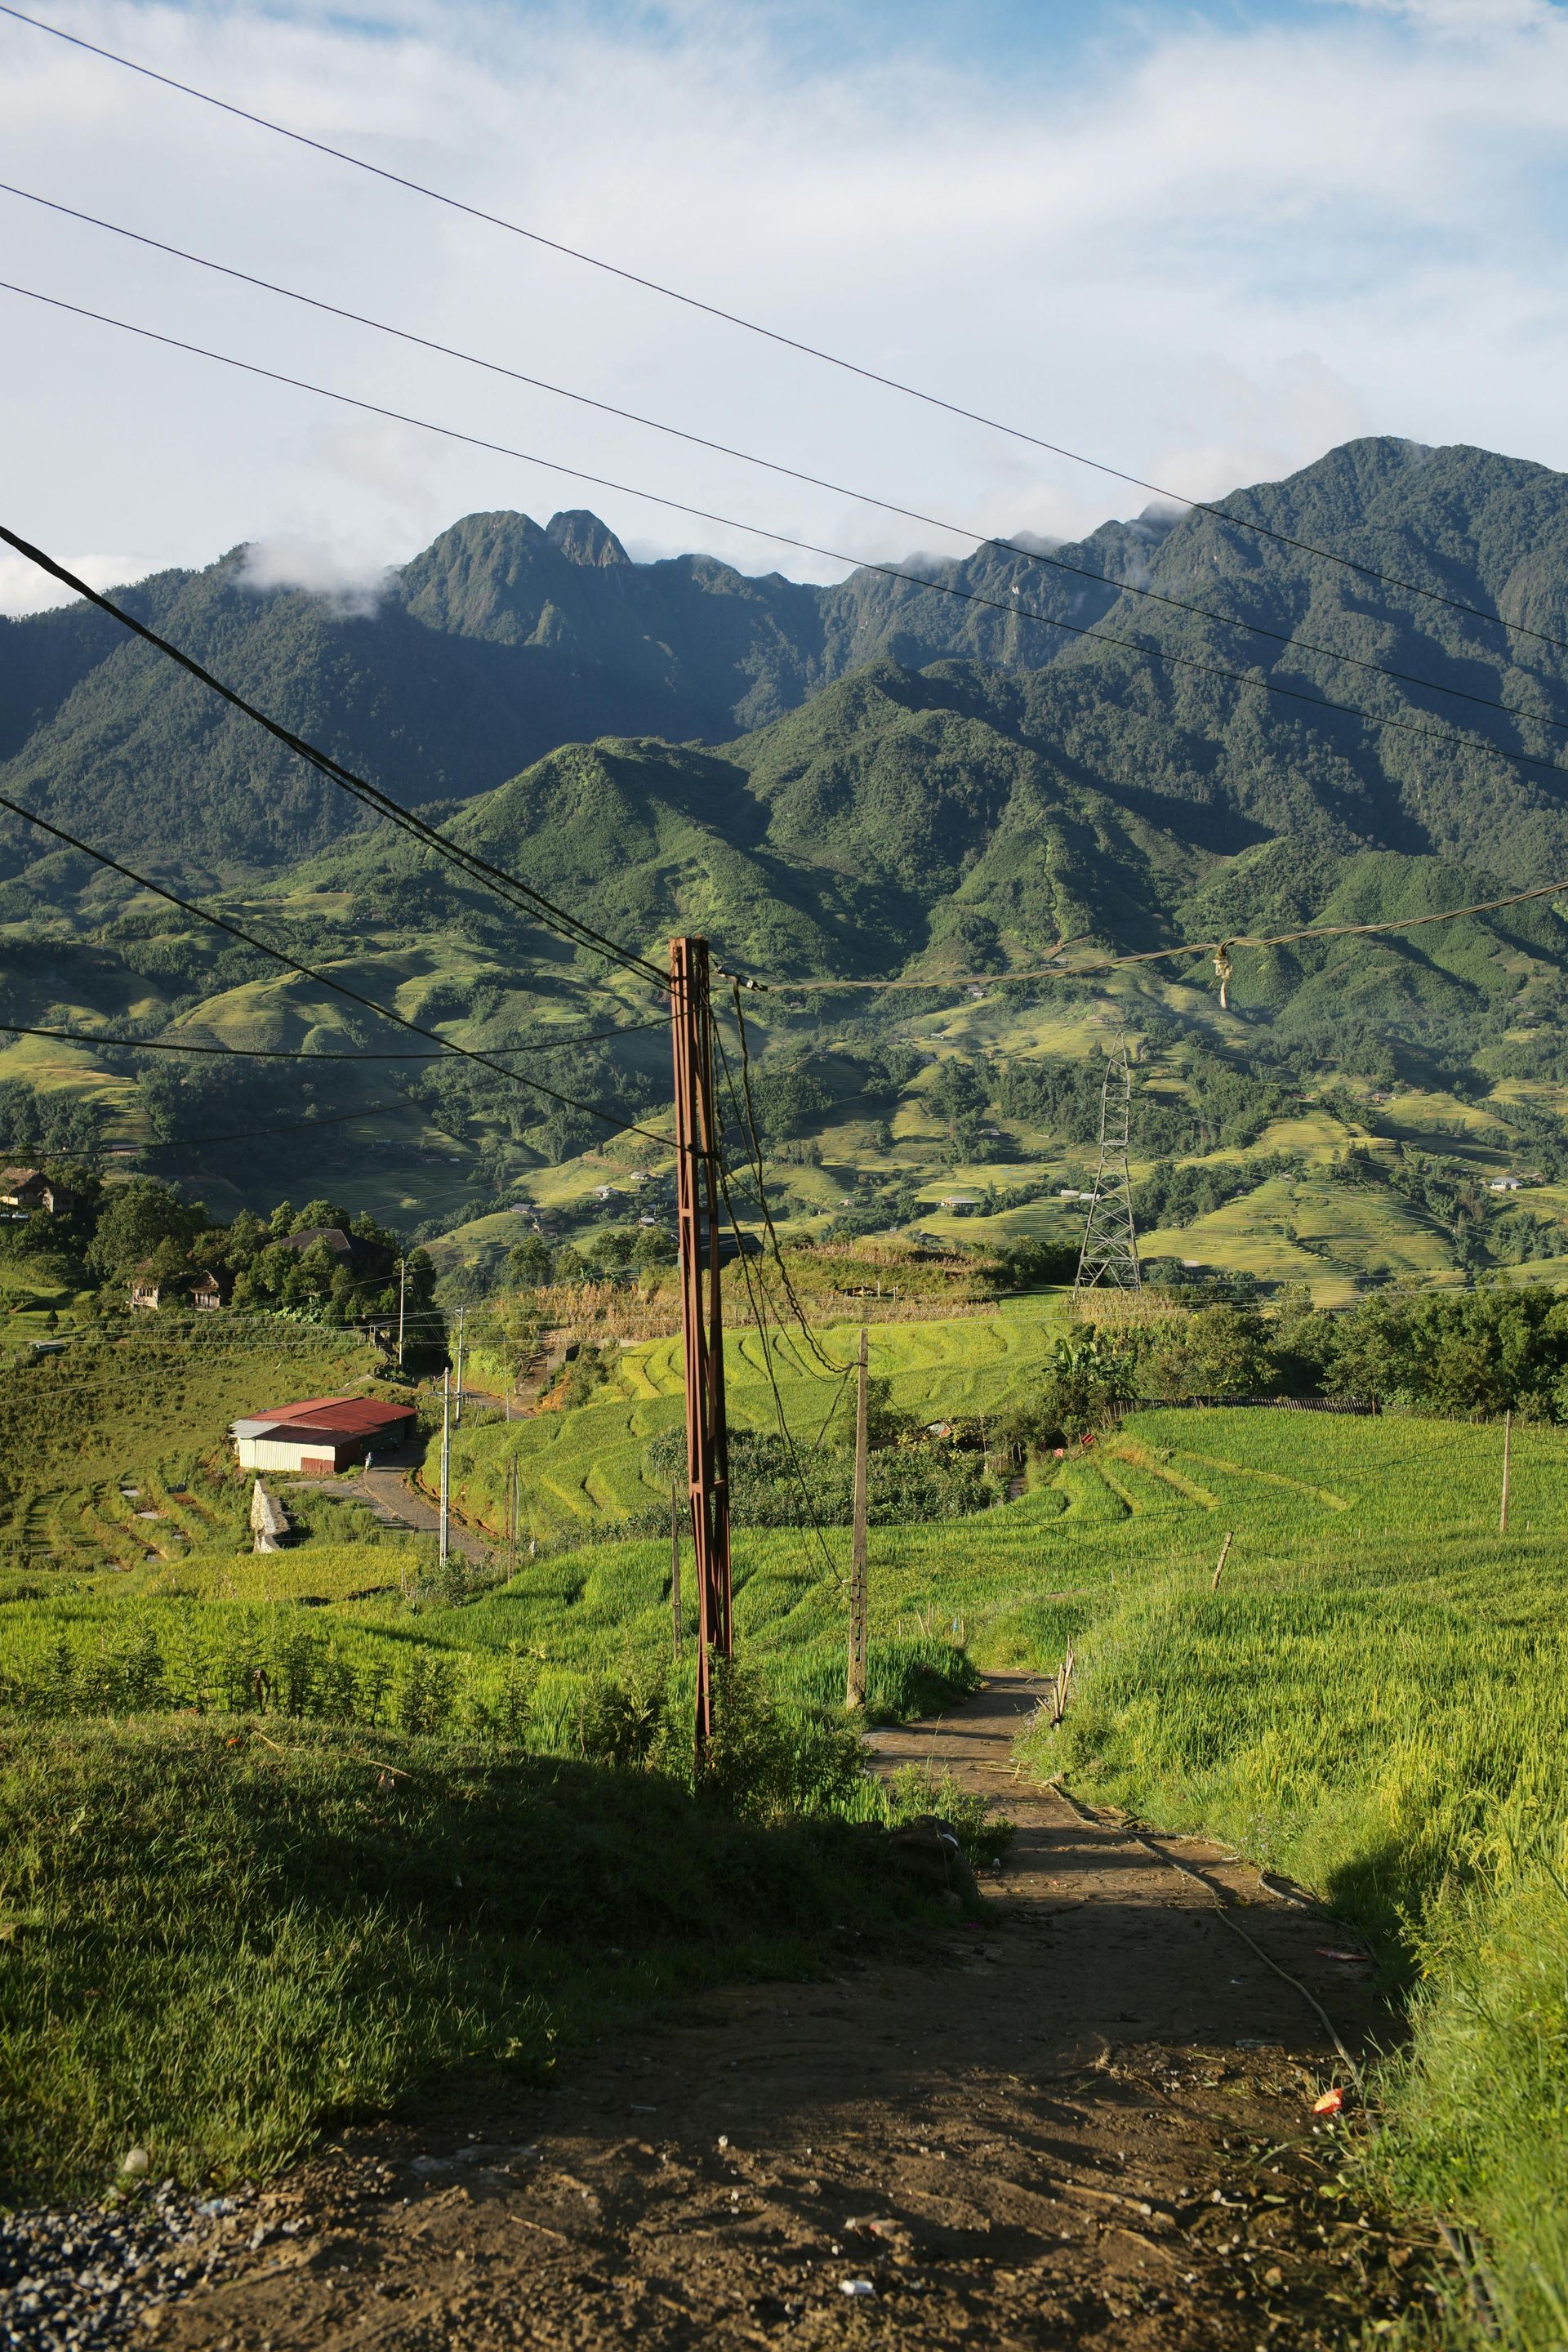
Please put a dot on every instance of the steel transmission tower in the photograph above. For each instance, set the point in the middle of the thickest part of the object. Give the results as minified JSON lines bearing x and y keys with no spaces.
{"x":1109,"y":1258}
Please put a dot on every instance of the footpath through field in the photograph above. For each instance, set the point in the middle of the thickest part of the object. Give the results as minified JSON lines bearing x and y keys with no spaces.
{"x":388,"y":1487}
{"x":1084,"y":2119}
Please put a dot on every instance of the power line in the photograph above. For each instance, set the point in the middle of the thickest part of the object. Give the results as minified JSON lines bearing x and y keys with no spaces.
{"x":1249,"y":680}
{"x":297,"y":1126}
{"x":287,"y":1054}
{"x":321,"y":979}
{"x":759,"y":1316}
{"x":980,"y":539}
{"x":1188,"y":948}
{"x":746,"y":1110}
{"x":371,"y":797}
{"x":786,"y":342}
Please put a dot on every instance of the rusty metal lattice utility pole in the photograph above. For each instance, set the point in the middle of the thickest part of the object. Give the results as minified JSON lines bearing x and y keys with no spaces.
{"x":702,"y":1329}
{"x":1109,"y":1258}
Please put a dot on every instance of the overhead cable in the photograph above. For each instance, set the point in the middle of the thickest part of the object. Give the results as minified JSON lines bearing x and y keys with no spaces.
{"x":786,"y":342}
{"x":744,"y":1108}
{"x":1250,"y":681}
{"x":1215,"y":948}
{"x":301,"y":1053}
{"x":980,"y":539}
{"x":321,"y":979}
{"x":478,"y":870}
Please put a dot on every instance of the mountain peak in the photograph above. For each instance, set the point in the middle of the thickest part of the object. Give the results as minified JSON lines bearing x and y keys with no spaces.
{"x":581,"y":538}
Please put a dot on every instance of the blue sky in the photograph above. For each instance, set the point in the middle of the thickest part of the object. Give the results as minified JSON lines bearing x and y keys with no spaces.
{"x":1202,"y":242}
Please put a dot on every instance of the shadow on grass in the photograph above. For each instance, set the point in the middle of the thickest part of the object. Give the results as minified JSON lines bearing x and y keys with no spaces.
{"x":215,"y":1938}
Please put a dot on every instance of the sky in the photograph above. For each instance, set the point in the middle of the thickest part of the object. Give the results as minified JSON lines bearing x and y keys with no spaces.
{"x":1200,"y":243}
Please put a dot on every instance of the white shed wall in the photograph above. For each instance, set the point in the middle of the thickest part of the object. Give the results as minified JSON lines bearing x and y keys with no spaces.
{"x":278,"y":1453}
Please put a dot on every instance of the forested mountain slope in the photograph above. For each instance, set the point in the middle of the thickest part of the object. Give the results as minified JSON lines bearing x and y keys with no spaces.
{"x":868,"y":778}
{"x":504,"y":640}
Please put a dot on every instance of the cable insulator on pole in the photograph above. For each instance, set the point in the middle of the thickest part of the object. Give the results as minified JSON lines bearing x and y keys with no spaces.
{"x":1224,"y":971}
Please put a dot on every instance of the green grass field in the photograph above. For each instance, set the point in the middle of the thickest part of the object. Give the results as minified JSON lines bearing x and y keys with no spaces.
{"x":1373,"y":1702}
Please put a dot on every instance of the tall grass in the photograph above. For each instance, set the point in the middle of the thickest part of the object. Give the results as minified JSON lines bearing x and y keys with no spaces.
{"x":217,"y":1939}
{"x":1390,"y":1727}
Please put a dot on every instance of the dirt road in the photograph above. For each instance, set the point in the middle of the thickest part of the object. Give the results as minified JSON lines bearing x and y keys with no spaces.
{"x":1084,"y":2120}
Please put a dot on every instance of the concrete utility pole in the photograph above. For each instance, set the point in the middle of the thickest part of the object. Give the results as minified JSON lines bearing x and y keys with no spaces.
{"x":402,"y":1289}
{"x":458,"y":1415}
{"x":701,"y":1320}
{"x":1507,"y":1451}
{"x":446,"y":1458}
{"x":676,"y":1628}
{"x":859,"y":1613}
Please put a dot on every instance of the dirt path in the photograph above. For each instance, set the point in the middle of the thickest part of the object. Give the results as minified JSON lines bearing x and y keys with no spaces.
{"x":1084,"y":2120}
{"x":388,"y":1487}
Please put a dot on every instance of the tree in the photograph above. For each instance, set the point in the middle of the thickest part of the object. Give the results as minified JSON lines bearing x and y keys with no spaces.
{"x":320,"y":1212}
{"x":139,"y":1216}
{"x":611,"y":1253}
{"x":517,"y":1328}
{"x":1220,"y":1350}
{"x":528,"y":1263}
{"x":957,"y":1091}
{"x":1373,"y":1353}
{"x":1085,"y":1379}
{"x":787,"y":1098}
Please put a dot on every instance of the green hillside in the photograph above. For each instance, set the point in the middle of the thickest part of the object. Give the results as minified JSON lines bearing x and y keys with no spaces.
{"x":927,"y":787}
{"x":505,"y":639}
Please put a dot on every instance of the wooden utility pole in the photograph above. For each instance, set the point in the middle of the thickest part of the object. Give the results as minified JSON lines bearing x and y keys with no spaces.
{"x":1507,"y":1450}
{"x":446,"y":1456}
{"x":702,"y":1324}
{"x":859,"y":1613}
{"x":458,"y":1416}
{"x":677,"y":1626}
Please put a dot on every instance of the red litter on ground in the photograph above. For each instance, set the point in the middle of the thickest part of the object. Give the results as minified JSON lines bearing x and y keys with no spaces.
{"x":1331,"y":2103}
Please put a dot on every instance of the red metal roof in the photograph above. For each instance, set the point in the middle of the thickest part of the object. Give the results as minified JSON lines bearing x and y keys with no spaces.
{"x":336,"y":1416}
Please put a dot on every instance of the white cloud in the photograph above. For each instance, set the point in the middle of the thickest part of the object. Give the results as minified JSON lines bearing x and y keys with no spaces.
{"x":1202,"y":252}
{"x":351,"y":578}
{"x":24,"y":588}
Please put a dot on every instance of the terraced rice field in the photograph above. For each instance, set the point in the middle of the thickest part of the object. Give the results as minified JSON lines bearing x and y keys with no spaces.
{"x":588,"y":1466}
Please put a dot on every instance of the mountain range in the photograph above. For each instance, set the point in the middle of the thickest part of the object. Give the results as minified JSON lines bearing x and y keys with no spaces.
{"x":504,"y":640}
{"x":932,"y":773}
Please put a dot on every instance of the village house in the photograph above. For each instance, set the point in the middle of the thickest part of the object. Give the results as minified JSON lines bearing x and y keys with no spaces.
{"x":206,"y":1292}
{"x":337,"y":1241}
{"x":321,"y":1436}
{"x":25,"y":1189}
